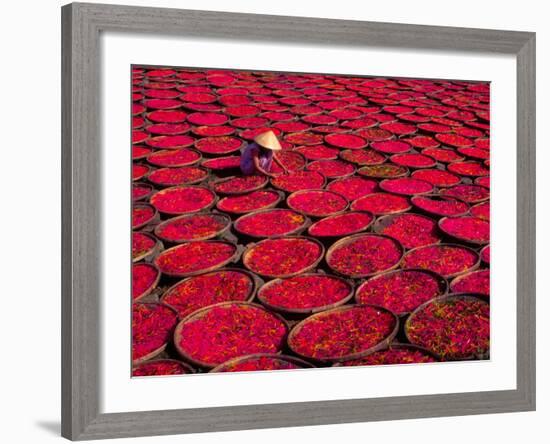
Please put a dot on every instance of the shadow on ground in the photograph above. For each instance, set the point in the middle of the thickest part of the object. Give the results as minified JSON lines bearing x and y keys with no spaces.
{"x":53,"y":427}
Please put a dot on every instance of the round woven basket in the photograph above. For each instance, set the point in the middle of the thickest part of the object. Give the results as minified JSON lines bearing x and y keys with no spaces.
{"x":250,"y":248}
{"x":330,"y":237}
{"x":384,"y":221}
{"x":398,"y":346}
{"x":349,"y":239}
{"x":198,"y":210}
{"x":292,"y":232}
{"x":303,"y":311}
{"x":273,"y":204}
{"x":221,"y":217}
{"x":201,"y":312}
{"x":242,"y":359}
{"x":232,"y":259}
{"x":187,"y":367}
{"x":232,"y":193}
{"x":444,"y":298}
{"x":158,"y":350}
{"x":443,"y":285}
{"x":151,"y":287}
{"x":436,"y":197}
{"x":380,"y":345}
{"x":152,"y":218}
{"x":461,"y":238}
{"x":256,"y":281}
{"x":452,"y":275}
{"x":316,"y":215}
{"x":152,"y":251}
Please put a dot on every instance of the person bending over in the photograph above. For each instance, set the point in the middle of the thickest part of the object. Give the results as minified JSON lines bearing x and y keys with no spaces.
{"x":259,"y":155}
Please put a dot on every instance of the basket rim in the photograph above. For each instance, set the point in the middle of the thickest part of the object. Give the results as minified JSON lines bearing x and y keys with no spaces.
{"x":158,"y":350}
{"x":288,"y":135}
{"x":151,"y":251}
{"x":146,"y":115}
{"x":193,"y":182}
{"x":481,"y":253}
{"x":383,"y":343}
{"x":155,"y":138}
{"x":445,"y":191}
{"x":398,"y":345}
{"x":233,"y":116}
{"x":178,"y":213}
{"x":294,"y":231}
{"x":172,"y":151}
{"x":316,"y":190}
{"x":398,"y":135}
{"x":468,"y":161}
{"x":148,"y":205}
{"x":142,"y":156}
{"x":443,"y":284}
{"x":145,"y":196}
{"x":303,"y":118}
{"x":204,"y":163}
{"x":389,"y":153}
{"x":437,"y":196}
{"x":278,"y":187}
{"x":272,"y":205}
{"x":194,"y":130}
{"x":216,"y":182}
{"x":361,"y":171}
{"x":250,"y":247}
{"x":383,"y":221}
{"x":409,"y":208}
{"x":360,"y":165}
{"x":294,"y":153}
{"x":468,"y":274}
{"x":149,"y":125}
{"x":145,"y":175}
{"x":448,"y":244}
{"x":282,"y":357}
{"x":349,"y":239}
{"x":414,"y":167}
{"x":291,"y":119}
{"x":201,"y":312}
{"x":310,"y":310}
{"x":462,"y":238}
{"x":449,"y":296}
{"x":332,"y":177}
{"x":385,"y":182}
{"x":195,"y":111}
{"x":204,"y":139}
{"x":231,"y":122}
{"x":300,"y":148}
{"x":160,"y":226}
{"x":366,"y":142}
{"x":329,"y":236}
{"x":254,"y":279}
{"x":151,"y":287}
{"x":232,"y":258}
{"x":188,"y":368}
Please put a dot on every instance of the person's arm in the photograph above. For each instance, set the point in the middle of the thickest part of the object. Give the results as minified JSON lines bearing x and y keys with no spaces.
{"x":258,"y":167}
{"x":276,"y":159}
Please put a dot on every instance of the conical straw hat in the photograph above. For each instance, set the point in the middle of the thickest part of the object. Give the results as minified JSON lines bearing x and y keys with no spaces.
{"x":268,"y":140}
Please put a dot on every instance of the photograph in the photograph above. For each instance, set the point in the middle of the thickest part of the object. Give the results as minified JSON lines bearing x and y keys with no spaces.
{"x":287,"y":220}
{"x":267,"y":222}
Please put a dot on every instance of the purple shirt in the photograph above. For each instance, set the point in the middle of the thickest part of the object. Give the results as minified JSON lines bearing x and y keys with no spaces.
{"x":265,"y":158}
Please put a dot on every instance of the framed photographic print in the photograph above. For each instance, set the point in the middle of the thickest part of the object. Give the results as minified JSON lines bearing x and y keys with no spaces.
{"x":279,"y":221}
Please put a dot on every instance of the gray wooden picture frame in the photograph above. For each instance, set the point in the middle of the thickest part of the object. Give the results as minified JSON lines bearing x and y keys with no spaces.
{"x":81,"y":167}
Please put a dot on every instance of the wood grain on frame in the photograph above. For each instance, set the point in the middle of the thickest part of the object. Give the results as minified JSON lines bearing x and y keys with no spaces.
{"x":81,"y":230}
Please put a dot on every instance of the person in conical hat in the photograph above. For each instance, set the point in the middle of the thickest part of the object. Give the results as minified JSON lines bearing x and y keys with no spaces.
{"x":259,"y":155}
